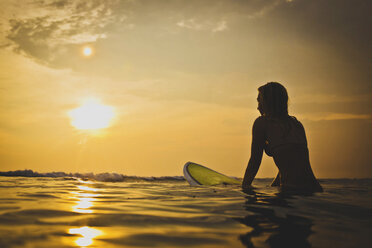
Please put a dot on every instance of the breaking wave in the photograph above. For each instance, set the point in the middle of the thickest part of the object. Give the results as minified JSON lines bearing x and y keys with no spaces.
{"x":102,"y":177}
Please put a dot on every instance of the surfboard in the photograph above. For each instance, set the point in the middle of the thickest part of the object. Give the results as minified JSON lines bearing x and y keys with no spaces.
{"x":197,"y":174}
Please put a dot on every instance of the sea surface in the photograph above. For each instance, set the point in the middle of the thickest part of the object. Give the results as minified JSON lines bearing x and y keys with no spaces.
{"x":111,"y":210}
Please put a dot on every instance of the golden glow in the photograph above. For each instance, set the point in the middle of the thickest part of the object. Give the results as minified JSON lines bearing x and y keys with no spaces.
{"x":84,"y":200}
{"x":91,"y":115}
{"x":87,"y":51}
{"x":83,"y":206}
{"x":88,"y":234}
{"x":86,"y":188}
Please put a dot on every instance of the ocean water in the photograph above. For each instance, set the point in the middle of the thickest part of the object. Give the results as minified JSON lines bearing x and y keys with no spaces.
{"x":111,"y":210}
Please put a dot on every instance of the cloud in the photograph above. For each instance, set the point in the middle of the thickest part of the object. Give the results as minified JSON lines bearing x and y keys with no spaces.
{"x":49,"y":30}
{"x":221,"y":26}
{"x":331,"y":98}
{"x":264,"y":10}
{"x":60,"y":23}
{"x":345,"y":116}
{"x":190,"y":24}
{"x":335,"y":116}
{"x":207,"y":25}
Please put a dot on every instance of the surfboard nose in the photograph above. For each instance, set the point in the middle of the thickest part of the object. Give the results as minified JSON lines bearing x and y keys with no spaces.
{"x":187,"y":175}
{"x":197,"y":174}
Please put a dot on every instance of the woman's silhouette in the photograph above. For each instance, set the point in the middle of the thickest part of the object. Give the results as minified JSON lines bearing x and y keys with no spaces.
{"x":282,"y":137}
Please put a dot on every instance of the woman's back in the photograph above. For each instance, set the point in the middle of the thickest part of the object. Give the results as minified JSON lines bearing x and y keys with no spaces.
{"x":284,"y":131}
{"x":286,"y":143}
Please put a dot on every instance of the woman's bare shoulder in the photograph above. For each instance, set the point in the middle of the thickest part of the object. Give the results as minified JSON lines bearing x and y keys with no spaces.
{"x":261,"y":118}
{"x":260,"y":121}
{"x":259,"y":124}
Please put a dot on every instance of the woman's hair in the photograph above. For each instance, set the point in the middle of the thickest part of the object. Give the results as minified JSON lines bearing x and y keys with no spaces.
{"x":273,"y":100}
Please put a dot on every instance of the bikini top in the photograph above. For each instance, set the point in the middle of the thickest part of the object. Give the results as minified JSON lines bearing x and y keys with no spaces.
{"x":280,"y":132}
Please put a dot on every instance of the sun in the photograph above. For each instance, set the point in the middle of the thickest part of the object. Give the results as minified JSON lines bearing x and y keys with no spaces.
{"x":91,"y":115}
{"x":87,"y":51}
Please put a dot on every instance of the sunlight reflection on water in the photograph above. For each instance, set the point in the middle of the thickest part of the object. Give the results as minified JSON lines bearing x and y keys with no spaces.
{"x":88,"y":234}
{"x":84,"y":202}
{"x":86,"y":188}
{"x":83,"y":205}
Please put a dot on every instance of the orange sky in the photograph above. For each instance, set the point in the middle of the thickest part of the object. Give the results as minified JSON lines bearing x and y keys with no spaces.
{"x":181,"y":78}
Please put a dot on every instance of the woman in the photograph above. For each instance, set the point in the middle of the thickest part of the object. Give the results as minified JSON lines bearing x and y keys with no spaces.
{"x":283,"y":138}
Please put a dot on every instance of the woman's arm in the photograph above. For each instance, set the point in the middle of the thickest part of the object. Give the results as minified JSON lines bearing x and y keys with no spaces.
{"x":258,"y":142}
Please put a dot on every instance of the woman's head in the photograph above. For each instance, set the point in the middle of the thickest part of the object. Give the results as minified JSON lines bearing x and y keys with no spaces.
{"x":273,"y":100}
